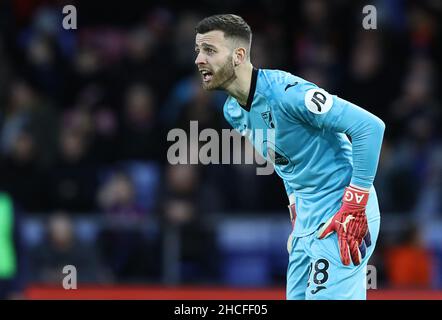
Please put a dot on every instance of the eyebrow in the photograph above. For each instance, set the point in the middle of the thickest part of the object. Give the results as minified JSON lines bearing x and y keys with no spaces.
{"x":205,"y":45}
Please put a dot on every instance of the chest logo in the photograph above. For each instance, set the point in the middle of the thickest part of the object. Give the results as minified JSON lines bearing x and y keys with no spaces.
{"x":268,"y":119}
{"x":278,"y":157}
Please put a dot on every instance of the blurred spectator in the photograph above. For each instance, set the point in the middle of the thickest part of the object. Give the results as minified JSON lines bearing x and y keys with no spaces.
{"x":396,"y":194}
{"x":117,"y":199}
{"x":147,"y":59}
{"x":21,"y":176}
{"x":27,"y":109}
{"x":415,"y":135}
{"x":183,"y":94}
{"x":429,"y":203}
{"x":17,"y":113}
{"x":368,"y":68}
{"x":417,"y":101}
{"x":409,"y":264}
{"x":184,"y":41}
{"x":140,"y":134}
{"x":5,"y":75}
{"x":200,"y":108}
{"x":60,"y":248}
{"x":73,"y":178}
{"x":422,"y":26}
{"x":131,"y":253}
{"x":182,"y":213}
{"x":129,"y":245}
{"x":181,"y":194}
{"x":105,"y":135}
{"x":44,"y":69}
{"x":129,"y":248}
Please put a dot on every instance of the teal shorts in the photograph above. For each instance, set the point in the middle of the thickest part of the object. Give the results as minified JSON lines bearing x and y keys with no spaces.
{"x":315,"y":270}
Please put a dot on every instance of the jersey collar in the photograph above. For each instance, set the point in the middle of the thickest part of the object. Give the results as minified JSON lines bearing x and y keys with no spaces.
{"x":252,"y":90}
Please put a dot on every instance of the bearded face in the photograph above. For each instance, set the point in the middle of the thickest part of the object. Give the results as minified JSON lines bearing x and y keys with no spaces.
{"x":218,"y":79}
{"x":214,"y":60}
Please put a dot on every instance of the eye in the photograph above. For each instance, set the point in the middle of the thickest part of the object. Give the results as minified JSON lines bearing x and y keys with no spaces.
{"x":210,"y":51}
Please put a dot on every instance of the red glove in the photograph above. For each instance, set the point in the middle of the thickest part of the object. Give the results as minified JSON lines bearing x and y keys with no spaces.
{"x":350,"y":223}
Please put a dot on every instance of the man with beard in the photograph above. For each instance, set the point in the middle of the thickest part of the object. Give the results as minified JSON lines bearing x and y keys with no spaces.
{"x":328,"y":179}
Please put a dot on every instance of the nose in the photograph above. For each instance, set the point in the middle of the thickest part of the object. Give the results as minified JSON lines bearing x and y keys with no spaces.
{"x":200,"y":59}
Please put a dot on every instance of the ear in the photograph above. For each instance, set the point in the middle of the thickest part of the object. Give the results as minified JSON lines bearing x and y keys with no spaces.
{"x":239,"y":56}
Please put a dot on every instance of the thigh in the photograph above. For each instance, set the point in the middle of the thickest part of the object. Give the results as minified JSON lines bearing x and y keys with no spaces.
{"x":297,"y":270}
{"x":329,"y":278}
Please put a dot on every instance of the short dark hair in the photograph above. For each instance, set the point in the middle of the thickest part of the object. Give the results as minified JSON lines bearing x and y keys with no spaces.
{"x":231,"y":24}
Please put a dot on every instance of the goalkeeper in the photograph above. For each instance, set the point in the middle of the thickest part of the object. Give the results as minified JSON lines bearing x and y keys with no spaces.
{"x":328,"y":178}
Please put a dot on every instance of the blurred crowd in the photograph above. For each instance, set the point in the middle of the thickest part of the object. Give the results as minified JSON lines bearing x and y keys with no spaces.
{"x":84,"y":116}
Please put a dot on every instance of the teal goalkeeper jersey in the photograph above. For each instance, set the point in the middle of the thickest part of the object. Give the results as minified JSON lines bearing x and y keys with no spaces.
{"x":303,"y":130}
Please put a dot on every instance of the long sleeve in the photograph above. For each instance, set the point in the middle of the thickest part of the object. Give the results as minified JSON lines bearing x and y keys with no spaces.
{"x":319,"y":109}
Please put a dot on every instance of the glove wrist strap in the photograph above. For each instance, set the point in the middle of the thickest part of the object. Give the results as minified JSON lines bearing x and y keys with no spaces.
{"x":355,"y":197}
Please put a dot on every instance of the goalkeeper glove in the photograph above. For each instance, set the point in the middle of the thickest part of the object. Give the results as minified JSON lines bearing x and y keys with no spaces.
{"x":350,"y":224}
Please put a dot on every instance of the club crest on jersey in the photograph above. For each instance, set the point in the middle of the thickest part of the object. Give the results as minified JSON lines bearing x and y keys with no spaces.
{"x":268,"y":119}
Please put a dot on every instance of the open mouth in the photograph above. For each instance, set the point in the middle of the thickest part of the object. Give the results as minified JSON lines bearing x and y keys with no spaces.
{"x":206,"y":75}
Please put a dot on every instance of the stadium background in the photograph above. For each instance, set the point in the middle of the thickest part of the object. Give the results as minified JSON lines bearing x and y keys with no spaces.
{"x":84,"y":116}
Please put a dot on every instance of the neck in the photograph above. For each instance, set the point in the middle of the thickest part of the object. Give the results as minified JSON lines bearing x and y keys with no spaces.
{"x":240,"y":87}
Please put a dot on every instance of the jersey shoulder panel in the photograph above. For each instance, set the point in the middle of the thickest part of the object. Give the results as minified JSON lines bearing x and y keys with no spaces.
{"x":286,"y":87}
